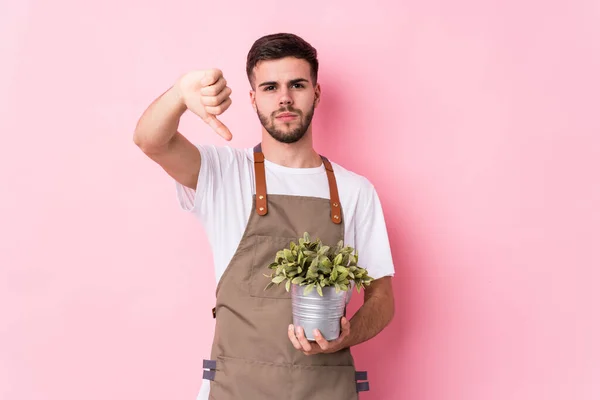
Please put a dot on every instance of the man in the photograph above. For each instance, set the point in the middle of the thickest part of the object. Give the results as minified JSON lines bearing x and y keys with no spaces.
{"x":253,"y":202}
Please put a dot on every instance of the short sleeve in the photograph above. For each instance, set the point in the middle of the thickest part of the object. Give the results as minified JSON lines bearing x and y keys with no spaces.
{"x":212,"y":162}
{"x":371,"y":237}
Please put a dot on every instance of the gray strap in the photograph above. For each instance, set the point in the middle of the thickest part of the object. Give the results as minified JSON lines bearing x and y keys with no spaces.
{"x":209,"y":375}
{"x":209,"y":364}
{"x":361,"y":375}
{"x":362,"y":387}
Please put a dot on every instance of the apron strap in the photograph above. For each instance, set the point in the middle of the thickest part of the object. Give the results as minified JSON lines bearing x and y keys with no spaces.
{"x":334,"y":197}
{"x":210,"y":367}
{"x":261,"y":186}
{"x":362,"y":386}
{"x":261,"y":181}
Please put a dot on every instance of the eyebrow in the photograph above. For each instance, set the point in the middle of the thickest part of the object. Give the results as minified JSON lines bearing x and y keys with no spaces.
{"x":292,"y":82}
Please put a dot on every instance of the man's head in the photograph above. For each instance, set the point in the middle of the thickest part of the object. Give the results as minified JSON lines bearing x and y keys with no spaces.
{"x":282,"y":70}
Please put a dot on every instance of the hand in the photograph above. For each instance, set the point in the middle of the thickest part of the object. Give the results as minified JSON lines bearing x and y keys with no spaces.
{"x":300,"y":342}
{"x":206,"y":94}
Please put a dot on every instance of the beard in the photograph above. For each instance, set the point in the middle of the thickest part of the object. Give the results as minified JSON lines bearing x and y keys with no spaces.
{"x":290,"y":132}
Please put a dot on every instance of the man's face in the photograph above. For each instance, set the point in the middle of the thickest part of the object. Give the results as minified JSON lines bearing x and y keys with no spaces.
{"x":284,"y":97}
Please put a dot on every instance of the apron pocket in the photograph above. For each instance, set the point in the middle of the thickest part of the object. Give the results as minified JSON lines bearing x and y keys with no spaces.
{"x":237,"y":379}
{"x":265,"y":249}
{"x":331,"y":383}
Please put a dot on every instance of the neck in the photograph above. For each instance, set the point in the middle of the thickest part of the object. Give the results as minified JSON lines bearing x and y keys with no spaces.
{"x":293,"y":155}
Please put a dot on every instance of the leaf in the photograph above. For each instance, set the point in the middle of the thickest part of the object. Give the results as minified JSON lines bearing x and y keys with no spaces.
{"x":314,"y":264}
{"x":345,"y":259}
{"x":278,"y":279}
{"x":323,"y":250}
{"x":287,"y":285}
{"x":334,"y":274}
{"x":288,"y":255}
{"x":326,"y":262}
{"x":298,"y":280}
{"x":319,"y":289}
{"x":338,"y":259}
{"x":309,"y":288}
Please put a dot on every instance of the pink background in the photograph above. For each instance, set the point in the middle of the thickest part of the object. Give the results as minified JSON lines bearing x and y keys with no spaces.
{"x":476,"y":120}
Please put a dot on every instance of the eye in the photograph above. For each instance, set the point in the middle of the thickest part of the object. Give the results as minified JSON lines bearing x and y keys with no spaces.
{"x":298,"y":86}
{"x":269,"y":88}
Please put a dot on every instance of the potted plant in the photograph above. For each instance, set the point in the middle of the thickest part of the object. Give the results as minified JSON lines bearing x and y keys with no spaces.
{"x":319,"y":278}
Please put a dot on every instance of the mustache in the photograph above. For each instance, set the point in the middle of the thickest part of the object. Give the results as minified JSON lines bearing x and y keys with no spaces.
{"x":286,"y":109}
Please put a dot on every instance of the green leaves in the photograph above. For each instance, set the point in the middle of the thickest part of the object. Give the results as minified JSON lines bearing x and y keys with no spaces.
{"x":315,"y":265}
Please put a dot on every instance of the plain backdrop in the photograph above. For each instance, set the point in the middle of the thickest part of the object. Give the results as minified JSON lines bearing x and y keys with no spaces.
{"x":477,"y":122}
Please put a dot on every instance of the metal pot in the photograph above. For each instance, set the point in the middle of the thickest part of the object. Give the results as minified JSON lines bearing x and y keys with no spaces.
{"x":313,"y":311}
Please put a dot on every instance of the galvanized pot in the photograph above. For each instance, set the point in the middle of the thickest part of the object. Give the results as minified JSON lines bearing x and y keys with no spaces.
{"x":313,"y":311}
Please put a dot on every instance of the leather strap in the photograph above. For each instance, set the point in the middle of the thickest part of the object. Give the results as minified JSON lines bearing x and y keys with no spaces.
{"x":362,"y":387}
{"x":334,"y":197}
{"x":261,"y":181}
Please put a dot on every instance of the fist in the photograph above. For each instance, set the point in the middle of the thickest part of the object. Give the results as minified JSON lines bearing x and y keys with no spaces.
{"x":206,"y":94}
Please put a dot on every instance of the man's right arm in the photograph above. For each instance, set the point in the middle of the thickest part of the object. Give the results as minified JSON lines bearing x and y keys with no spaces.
{"x":203,"y":92}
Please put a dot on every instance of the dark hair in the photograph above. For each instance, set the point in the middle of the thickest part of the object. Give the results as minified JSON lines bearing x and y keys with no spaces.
{"x":281,"y":45}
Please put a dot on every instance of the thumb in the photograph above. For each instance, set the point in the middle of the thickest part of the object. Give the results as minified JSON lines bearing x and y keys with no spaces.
{"x":218,"y":127}
{"x":345,"y":325}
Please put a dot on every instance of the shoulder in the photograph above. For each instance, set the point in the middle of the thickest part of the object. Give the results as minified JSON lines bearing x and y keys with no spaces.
{"x":350,"y":179}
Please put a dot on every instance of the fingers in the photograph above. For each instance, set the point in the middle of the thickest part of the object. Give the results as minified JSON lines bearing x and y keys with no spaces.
{"x":215,"y":88}
{"x":213,"y":101}
{"x":345,"y":327}
{"x":211,"y":76}
{"x":220,"y":109}
{"x":214,"y":97}
{"x":293,"y":338}
{"x":306,"y":346}
{"x":218,"y":127}
{"x":323,"y":344}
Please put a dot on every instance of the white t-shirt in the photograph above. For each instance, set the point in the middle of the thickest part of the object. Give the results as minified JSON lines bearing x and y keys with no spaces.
{"x":223,"y":202}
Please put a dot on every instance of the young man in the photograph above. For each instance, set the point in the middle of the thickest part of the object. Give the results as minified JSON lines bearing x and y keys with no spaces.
{"x":253,"y":202}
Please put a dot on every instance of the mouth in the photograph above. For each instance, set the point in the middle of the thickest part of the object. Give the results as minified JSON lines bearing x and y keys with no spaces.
{"x":287,"y":116}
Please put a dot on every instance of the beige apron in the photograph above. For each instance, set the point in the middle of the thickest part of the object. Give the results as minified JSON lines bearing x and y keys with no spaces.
{"x":252,"y":356}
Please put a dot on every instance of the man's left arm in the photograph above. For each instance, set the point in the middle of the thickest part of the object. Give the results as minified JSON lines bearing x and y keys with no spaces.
{"x":373,"y":316}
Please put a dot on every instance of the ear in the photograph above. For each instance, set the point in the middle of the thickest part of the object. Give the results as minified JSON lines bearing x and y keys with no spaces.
{"x":317,"y":94}
{"x":253,"y":99}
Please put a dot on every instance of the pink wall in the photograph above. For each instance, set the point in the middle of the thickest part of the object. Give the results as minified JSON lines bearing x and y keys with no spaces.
{"x":477,"y":121}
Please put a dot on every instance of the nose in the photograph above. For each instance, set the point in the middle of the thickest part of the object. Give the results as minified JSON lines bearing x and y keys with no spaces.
{"x":285,"y":99}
